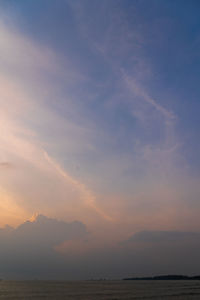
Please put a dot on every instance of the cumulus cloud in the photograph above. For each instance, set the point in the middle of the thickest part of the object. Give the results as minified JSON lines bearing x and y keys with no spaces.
{"x":42,"y":232}
{"x":30,"y":246}
{"x":50,"y":249}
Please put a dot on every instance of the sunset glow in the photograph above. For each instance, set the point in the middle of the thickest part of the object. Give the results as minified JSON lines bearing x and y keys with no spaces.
{"x":99,"y":124}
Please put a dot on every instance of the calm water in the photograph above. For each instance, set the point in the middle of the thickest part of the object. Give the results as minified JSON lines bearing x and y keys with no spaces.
{"x":94,"y":290}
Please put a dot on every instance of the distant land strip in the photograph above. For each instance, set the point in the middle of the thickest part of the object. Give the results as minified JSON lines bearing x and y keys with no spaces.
{"x":166,"y":277}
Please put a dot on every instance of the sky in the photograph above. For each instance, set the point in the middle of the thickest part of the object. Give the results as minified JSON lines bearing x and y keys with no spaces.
{"x":99,"y":138}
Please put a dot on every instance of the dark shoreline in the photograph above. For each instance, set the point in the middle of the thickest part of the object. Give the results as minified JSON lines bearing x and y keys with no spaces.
{"x":166,"y":277}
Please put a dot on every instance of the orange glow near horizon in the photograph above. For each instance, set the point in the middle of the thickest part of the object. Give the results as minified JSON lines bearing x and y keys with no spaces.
{"x":10,"y":212}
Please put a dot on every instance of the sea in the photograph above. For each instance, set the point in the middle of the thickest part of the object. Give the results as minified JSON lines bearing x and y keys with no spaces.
{"x":102,"y":289}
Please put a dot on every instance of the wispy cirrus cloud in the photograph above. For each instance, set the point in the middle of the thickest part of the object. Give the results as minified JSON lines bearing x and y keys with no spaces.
{"x":145,"y":172}
{"x":25,"y":113}
{"x":112,"y":151}
{"x":134,"y":87}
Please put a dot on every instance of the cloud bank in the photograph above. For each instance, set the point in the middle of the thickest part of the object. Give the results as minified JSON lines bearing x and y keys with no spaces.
{"x":46,"y":248}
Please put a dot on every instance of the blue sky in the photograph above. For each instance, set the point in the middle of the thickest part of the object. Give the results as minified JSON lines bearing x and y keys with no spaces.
{"x":100,"y":114}
{"x":157,"y":42}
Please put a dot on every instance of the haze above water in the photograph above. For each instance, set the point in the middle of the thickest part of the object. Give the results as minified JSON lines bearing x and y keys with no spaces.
{"x":107,"y":290}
